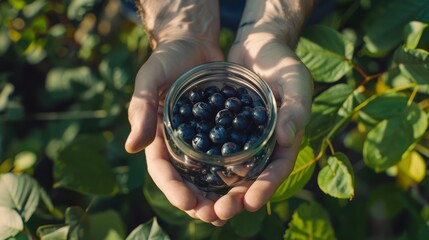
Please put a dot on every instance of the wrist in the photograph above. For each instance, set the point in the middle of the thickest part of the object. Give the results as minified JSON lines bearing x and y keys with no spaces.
{"x":280,"y":20}
{"x":180,"y":20}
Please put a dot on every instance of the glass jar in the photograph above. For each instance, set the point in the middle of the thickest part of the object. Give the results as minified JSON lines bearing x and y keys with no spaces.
{"x":216,"y":172}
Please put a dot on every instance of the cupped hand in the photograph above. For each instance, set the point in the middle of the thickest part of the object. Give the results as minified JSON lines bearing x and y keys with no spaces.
{"x":276,"y":63}
{"x":167,"y":62}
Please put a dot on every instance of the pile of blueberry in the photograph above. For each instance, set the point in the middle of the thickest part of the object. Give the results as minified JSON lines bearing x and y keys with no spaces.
{"x":219,"y":121}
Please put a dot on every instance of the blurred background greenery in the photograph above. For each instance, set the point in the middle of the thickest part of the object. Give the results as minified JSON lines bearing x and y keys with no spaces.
{"x":67,"y":73}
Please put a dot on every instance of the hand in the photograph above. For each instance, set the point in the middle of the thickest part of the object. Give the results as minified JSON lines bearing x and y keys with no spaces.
{"x":263,"y":49}
{"x":180,"y":42}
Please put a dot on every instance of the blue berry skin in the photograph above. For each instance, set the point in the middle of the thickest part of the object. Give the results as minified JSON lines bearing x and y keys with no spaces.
{"x":201,"y":142}
{"x":214,"y":150}
{"x":246,"y":99}
{"x":247,"y":111}
{"x":233,"y":104}
{"x":241,"y":91}
{"x":240,"y":121}
{"x":217,"y":100}
{"x":219,"y":134}
{"x":229,"y":148}
{"x":186,"y":132}
{"x":204,"y":126}
{"x":196,"y":95}
{"x":177,"y":120}
{"x":224,"y":118}
{"x":260,"y":115}
{"x":202,"y":110}
{"x":214,"y":180}
{"x":258,"y":103}
{"x":208,"y":91}
{"x":238,"y":137}
{"x":250,"y":143}
{"x":229,"y":91}
{"x":186,"y":110}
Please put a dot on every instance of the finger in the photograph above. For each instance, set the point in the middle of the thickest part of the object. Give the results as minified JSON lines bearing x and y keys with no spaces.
{"x":165,"y":176}
{"x":274,"y":174}
{"x":232,"y":203}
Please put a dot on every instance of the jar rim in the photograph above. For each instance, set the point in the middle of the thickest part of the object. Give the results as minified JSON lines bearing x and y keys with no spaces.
{"x":218,"y":159}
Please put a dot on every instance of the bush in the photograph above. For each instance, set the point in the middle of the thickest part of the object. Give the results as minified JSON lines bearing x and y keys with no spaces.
{"x":66,"y":77}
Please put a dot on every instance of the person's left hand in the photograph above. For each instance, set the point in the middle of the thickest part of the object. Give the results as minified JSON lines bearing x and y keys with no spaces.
{"x":292,"y":85}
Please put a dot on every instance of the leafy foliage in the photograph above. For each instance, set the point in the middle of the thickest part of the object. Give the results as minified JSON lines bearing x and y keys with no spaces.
{"x":66,"y":77}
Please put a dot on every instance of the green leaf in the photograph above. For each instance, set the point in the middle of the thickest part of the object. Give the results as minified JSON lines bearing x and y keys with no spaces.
{"x":300,"y":175}
{"x":53,"y":232}
{"x":148,"y":231}
{"x":337,"y":177}
{"x":387,"y":142}
{"x":395,"y":104}
{"x":416,"y":35}
{"x":82,"y":168}
{"x":248,"y":224}
{"x":310,"y":221}
{"x":326,"y":53}
{"x":382,"y":35}
{"x":106,"y":225}
{"x":382,"y":107}
{"x":19,"y":192}
{"x":77,"y":219}
{"x":330,"y":107}
{"x":414,"y":64}
{"x":10,"y":223}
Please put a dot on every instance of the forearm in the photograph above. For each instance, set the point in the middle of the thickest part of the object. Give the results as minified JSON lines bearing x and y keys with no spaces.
{"x":282,"y":19}
{"x":167,"y":19}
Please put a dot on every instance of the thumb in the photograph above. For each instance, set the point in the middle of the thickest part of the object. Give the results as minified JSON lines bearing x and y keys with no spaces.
{"x":143,"y":108}
{"x":292,"y":117}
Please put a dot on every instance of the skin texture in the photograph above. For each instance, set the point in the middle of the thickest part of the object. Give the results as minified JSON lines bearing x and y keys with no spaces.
{"x":185,"y":33}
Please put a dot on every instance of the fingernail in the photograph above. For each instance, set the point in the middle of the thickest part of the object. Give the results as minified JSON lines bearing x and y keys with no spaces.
{"x":287,"y":138}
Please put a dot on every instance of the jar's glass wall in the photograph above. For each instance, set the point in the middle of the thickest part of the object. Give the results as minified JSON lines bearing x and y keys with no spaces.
{"x":219,"y":172}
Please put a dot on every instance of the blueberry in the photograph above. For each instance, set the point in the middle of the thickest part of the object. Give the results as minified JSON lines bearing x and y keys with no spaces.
{"x":214,"y":180}
{"x":238,"y":137}
{"x":201,"y":110}
{"x":186,"y":110}
{"x":196,"y":95}
{"x":241,"y":91}
{"x":247,"y":111}
{"x":224,"y":118}
{"x":258,"y":102}
{"x":233,"y":104}
{"x":204,"y":126}
{"x":217,"y":100}
{"x":246,"y":99}
{"x":240,"y":121}
{"x":177,"y":120}
{"x":208,"y":91}
{"x":219,"y":134}
{"x":186,"y":132}
{"x":250,"y":143}
{"x":201,"y":142}
{"x":259,"y":115}
{"x":229,"y":148}
{"x":228,"y":91}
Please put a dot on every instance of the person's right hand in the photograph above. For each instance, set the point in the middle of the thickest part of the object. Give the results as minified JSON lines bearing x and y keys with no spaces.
{"x":184,"y":34}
